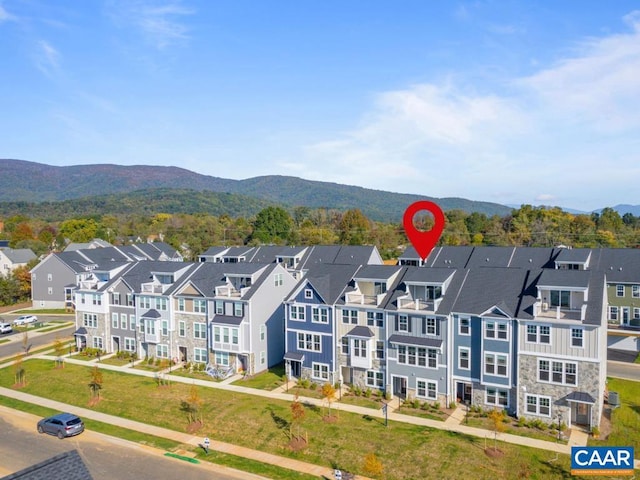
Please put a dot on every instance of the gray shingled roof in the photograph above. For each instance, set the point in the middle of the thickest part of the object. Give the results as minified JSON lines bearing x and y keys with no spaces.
{"x":65,"y":466}
{"x":564,"y":278}
{"x":226,"y":320}
{"x":533,"y":258}
{"x":377,"y":272}
{"x":427,"y":275}
{"x":330,"y":280}
{"x":419,"y":341}
{"x":491,"y":257}
{"x":19,"y":255}
{"x":361,"y":331}
{"x":449,"y":257}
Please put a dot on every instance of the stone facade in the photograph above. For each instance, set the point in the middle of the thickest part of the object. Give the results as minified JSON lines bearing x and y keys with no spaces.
{"x":588,"y":381}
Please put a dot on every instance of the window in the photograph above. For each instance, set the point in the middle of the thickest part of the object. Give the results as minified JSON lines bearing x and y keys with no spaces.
{"x":464,"y":326}
{"x":221,"y":358}
{"x":345,"y":345}
{"x":495,"y":364}
{"x":635,"y":291}
{"x":263,"y":357}
{"x":375,"y":379}
{"x":636,"y":313}
{"x":130,"y":299}
{"x":429,"y":326}
{"x":359,"y":348}
{"x":114,"y":320}
{"x":576,"y":337}
{"x":403,"y":323}
{"x":426,"y":389}
{"x":319,"y":315}
{"x":237,"y":309}
{"x":349,"y":316}
{"x":308,"y":293}
{"x":97,"y":299}
{"x":380,"y":350}
{"x":181,"y":304}
{"x":165,"y":327}
{"x":132,"y":322}
{"x":422,"y":357}
{"x":613,"y":313}
{"x":562,"y":373}
{"x":219,"y":307}
{"x":263,"y":332}
{"x":463,"y":358}
{"x":375,"y":319}
{"x":619,"y":290}
{"x":538,"y":405}
{"x":199,"y":305}
{"x":502,"y":331}
{"x":162,"y":351}
{"x":115,"y":298}
{"x":161,"y":303}
{"x":560,"y":298}
{"x":98,"y":343}
{"x":123,"y":321}
{"x":297,"y":312}
{"x":320,"y":371}
{"x":129,"y":344}
{"x":497,"y":397}
{"x":181,"y":328}
{"x":539,"y":334}
{"x":199,"y":330}
{"x":90,"y":320}
{"x":490,"y":330}
{"x":309,"y":341}
{"x":145,"y":302}
{"x":200,"y":355}
{"x":380,"y":287}
{"x":278,"y":279}
{"x":234,"y":336}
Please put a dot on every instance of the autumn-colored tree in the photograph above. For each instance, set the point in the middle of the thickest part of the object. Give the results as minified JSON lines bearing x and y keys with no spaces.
{"x":95,"y":382}
{"x":20,"y":373}
{"x":497,"y":424}
{"x":297,"y":414}
{"x":354,"y":228}
{"x":59,"y":350}
{"x":192,"y":405}
{"x":372,"y":465}
{"x":329,"y":394}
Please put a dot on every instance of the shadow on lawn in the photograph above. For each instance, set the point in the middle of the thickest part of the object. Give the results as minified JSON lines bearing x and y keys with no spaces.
{"x":281,"y":423}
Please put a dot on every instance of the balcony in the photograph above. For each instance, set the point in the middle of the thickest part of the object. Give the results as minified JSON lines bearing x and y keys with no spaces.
{"x":154,"y":288}
{"x":419,"y":304}
{"x":230,"y":292}
{"x":360,"y":299}
{"x":560,"y":313}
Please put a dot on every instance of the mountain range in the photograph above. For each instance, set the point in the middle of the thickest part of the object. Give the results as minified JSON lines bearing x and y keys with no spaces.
{"x":36,"y":183}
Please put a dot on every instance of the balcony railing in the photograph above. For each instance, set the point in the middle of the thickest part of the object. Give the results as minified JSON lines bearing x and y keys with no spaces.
{"x":561,"y":313}
{"x":360,"y":299}
{"x":152,"y":288}
{"x":419,"y":304}
{"x":229,"y":292}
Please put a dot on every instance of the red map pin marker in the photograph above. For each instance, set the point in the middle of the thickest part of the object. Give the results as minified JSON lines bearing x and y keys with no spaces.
{"x":423,"y":242}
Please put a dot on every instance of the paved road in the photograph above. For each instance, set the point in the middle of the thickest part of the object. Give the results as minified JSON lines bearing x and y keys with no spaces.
{"x":107,"y":458}
{"x":628,"y":371}
{"x":35,"y":339}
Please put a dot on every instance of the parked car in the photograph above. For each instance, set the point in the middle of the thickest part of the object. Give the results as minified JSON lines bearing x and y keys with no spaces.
{"x":5,"y":327}
{"x":25,"y":320}
{"x":62,"y":425}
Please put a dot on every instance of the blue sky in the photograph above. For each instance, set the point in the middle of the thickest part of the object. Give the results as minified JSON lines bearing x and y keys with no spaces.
{"x":502,"y":101}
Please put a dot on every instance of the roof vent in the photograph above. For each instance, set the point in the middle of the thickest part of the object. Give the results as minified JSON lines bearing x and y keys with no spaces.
{"x":487,"y":259}
{"x":530,"y":260}
{"x":620,"y":269}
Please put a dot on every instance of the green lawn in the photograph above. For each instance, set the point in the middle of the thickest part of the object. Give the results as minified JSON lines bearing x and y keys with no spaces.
{"x":269,"y":380}
{"x":625,"y":420}
{"x":406,"y":451}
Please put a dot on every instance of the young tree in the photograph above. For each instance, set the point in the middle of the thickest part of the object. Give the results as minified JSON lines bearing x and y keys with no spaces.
{"x":329,"y":394}
{"x":26,"y":346}
{"x":59,"y":350}
{"x":297,"y":414}
{"x":95,"y":383}
{"x":372,"y":465}
{"x":19,"y":371}
{"x":192,"y":405}
{"x":497,"y":425}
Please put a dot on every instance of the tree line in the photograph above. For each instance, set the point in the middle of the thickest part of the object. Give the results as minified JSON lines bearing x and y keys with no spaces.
{"x":192,"y":234}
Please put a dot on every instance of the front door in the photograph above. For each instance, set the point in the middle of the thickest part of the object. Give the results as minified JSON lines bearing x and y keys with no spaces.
{"x":625,"y":315}
{"x":463,"y":392}
{"x":581,"y":413}
{"x":115,"y":344}
{"x":183,"y":354}
{"x":400,"y":387}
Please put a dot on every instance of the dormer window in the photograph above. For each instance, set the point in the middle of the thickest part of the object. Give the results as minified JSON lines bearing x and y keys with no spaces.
{"x":560,"y":298}
{"x":380,"y":287}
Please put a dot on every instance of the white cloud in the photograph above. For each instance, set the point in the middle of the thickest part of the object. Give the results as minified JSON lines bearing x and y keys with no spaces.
{"x":47,"y":58}
{"x":552,"y":136}
{"x":5,"y":16}
{"x":158,"y":21}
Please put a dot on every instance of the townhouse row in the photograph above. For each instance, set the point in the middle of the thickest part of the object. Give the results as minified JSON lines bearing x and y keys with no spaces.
{"x":524,"y":329}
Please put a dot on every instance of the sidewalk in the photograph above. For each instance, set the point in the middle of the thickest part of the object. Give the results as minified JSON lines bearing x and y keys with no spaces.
{"x":453,"y":424}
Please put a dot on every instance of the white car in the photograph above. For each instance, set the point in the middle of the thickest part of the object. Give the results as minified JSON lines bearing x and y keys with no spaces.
{"x":25,"y":319}
{"x":5,"y":328}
